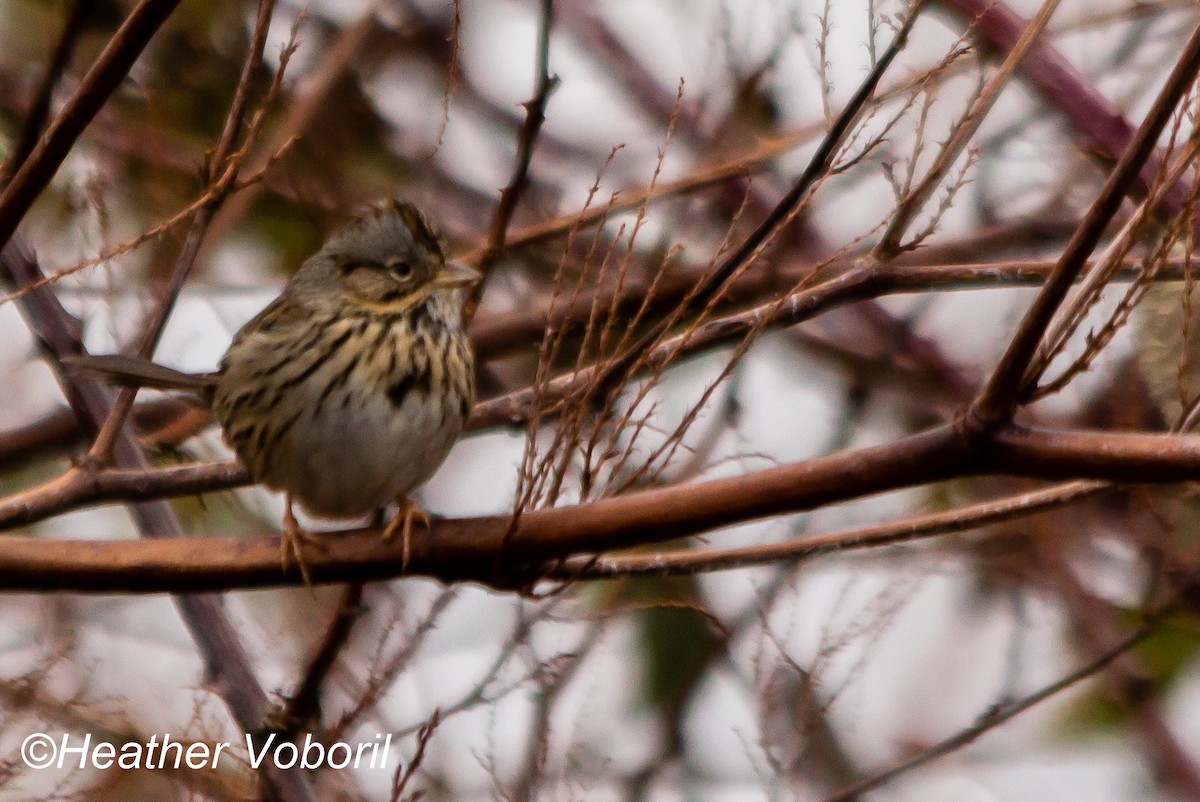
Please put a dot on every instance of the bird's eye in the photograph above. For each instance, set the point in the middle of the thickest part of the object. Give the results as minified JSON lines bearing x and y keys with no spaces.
{"x":403,"y":270}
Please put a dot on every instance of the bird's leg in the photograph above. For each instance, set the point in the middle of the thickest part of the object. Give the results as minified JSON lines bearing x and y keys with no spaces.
{"x":403,"y":522}
{"x":292,"y":542}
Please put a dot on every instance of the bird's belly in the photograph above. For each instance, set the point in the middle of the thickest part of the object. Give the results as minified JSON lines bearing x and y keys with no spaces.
{"x":357,"y":451}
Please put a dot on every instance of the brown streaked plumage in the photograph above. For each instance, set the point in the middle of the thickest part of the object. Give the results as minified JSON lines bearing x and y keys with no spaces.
{"x":349,"y":389}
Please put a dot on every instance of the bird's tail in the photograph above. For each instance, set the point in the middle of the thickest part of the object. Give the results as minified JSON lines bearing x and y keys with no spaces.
{"x":130,"y":371}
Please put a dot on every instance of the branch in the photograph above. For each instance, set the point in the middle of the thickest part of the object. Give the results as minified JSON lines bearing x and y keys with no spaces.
{"x":1105,"y":132}
{"x":1119,"y":456}
{"x":92,"y":93}
{"x":505,"y":333}
{"x":39,"y":109}
{"x":692,"y":561}
{"x":1004,"y":388}
{"x":467,"y":548}
{"x":535,"y":115}
{"x":84,"y":485}
{"x":304,"y":103}
{"x":220,"y":173}
{"x":989,"y":720}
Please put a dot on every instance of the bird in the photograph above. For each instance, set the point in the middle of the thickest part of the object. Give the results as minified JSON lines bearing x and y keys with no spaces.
{"x":348,"y":390}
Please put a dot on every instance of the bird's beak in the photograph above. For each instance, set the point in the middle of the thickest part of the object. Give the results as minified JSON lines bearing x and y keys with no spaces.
{"x":455,"y":274}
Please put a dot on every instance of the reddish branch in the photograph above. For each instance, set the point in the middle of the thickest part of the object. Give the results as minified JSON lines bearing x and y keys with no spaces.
{"x":1105,"y":132}
{"x":467,"y":548}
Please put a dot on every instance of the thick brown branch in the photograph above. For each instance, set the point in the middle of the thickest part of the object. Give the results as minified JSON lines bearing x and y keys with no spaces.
{"x":82,"y":486}
{"x":468,"y":548}
{"x":1119,"y":456}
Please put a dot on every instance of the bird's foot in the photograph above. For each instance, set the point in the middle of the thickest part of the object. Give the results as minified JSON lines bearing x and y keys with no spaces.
{"x":403,"y":523}
{"x":291,"y":544}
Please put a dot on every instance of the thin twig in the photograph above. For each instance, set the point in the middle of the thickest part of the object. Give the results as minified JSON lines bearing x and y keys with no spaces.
{"x":304,"y":103}
{"x":890,"y":243}
{"x":535,"y":115}
{"x":990,"y":719}
{"x":692,"y":561}
{"x":304,"y":704}
{"x":221,"y":172}
{"x":780,"y":216}
{"x":405,"y":772}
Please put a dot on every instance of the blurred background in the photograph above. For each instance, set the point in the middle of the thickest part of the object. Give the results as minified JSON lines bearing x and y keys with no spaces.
{"x":674,"y":127}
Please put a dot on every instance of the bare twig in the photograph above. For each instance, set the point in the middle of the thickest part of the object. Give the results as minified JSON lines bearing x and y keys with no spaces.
{"x":690,"y":561}
{"x":991,"y":719}
{"x":405,"y":773}
{"x":783,"y":213}
{"x":39,"y":109}
{"x":221,"y":174}
{"x":303,"y":105}
{"x":305,"y":703}
{"x":890,"y":243}
{"x":90,"y":96}
{"x":535,"y":115}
